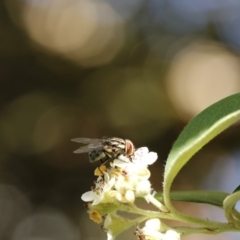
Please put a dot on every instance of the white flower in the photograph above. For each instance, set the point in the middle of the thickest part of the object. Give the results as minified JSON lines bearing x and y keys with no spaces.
{"x":143,"y":188}
{"x":141,"y":159}
{"x":151,"y":230}
{"x":153,"y":223}
{"x":125,"y":187}
{"x":171,"y":235}
{"x":128,"y":196}
{"x":155,"y":230}
{"x":144,"y":157}
{"x":102,"y":192}
{"x":129,"y":185}
{"x":125,"y":180}
{"x":132,"y":175}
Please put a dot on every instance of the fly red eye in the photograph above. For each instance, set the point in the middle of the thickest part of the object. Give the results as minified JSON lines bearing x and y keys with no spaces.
{"x":129,"y":148}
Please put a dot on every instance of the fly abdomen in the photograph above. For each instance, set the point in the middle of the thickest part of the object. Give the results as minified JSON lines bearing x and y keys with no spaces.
{"x":99,"y":155}
{"x":96,"y":155}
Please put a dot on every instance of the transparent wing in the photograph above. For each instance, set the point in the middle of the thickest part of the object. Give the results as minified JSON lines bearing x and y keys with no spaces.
{"x":86,"y":149}
{"x":93,"y":144}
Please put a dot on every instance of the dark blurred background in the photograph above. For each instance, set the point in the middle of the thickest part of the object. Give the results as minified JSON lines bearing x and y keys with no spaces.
{"x":85,"y":68}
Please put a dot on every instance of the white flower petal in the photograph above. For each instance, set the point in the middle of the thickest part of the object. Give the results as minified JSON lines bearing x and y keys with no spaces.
{"x":130,"y":196}
{"x":143,"y":157}
{"x":106,"y":177}
{"x":152,"y":230}
{"x":88,"y":196}
{"x":143,"y":188}
{"x":119,"y":197}
{"x":122,"y":184}
{"x":110,"y":237}
{"x":151,"y":158}
{"x":142,"y":151}
{"x":172,"y":235}
{"x":109,"y":185}
{"x":119,"y":163}
{"x":97,"y":200}
{"x":143,"y":174}
{"x":153,"y":224}
{"x":154,"y":235}
{"x":124,"y":158}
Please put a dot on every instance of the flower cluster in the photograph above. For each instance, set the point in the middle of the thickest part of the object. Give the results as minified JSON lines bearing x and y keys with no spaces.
{"x":125,"y":180}
{"x":117,"y":187}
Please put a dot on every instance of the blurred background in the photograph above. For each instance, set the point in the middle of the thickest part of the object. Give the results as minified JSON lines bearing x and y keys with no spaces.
{"x":91,"y":68}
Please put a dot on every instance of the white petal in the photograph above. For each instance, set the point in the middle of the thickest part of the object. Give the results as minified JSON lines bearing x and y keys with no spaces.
{"x":110,"y":237}
{"x":154,"y":235}
{"x":109,"y":185}
{"x":124,"y":159}
{"x":88,"y":196}
{"x":143,"y":188}
{"x":151,"y":158}
{"x":120,"y":163}
{"x":142,"y":151}
{"x":153,"y":224}
{"x":171,"y":235}
{"x":98,"y":199}
{"x":130,"y":196}
{"x":139,"y":155}
{"x":119,"y":197}
{"x":143,"y":173}
{"x":106,"y":177}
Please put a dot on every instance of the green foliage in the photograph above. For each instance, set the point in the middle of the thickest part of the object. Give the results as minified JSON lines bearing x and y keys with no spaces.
{"x":200,"y":130}
{"x":214,"y":198}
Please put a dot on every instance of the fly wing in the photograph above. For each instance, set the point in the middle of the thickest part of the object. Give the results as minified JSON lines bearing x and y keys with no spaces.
{"x":82,"y":150}
{"x":86,"y":149}
{"x":93,"y":144}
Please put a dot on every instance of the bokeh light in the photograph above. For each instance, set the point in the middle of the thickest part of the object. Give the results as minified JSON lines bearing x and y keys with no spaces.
{"x":88,"y":32}
{"x":46,"y":224}
{"x":138,"y":70}
{"x":14,"y":205}
{"x":200,"y":75}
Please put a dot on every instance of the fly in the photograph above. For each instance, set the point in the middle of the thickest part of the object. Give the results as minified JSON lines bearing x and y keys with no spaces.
{"x":105,"y":149}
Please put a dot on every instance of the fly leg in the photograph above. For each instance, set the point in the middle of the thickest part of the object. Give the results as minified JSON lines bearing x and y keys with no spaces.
{"x":99,"y":171}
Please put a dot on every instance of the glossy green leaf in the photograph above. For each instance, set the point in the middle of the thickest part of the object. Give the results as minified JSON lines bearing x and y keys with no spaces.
{"x":200,"y":130}
{"x":213,"y":198}
{"x":237,"y":189}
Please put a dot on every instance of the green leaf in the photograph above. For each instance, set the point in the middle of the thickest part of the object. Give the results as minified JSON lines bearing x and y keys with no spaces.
{"x":208,"y":197}
{"x":237,"y":189}
{"x":200,"y":130}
